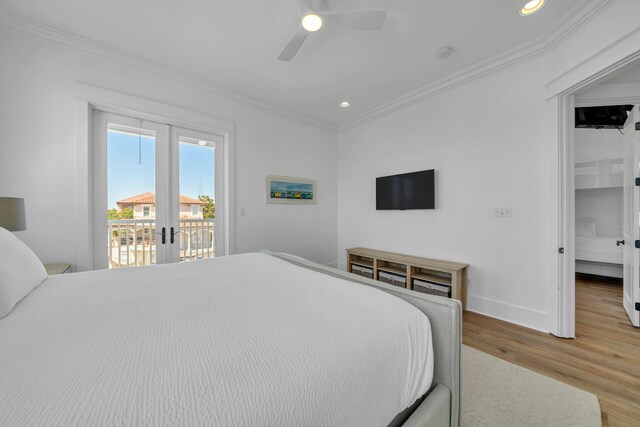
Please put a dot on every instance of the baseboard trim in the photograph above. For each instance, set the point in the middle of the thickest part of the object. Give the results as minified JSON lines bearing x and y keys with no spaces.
{"x":599,"y":278}
{"x":512,"y":313}
{"x":331,"y":264}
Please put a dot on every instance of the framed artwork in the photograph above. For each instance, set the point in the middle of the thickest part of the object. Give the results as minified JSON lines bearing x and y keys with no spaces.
{"x":289,"y":190}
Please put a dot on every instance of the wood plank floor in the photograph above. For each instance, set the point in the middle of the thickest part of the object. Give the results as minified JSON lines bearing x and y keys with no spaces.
{"x":604,"y":359}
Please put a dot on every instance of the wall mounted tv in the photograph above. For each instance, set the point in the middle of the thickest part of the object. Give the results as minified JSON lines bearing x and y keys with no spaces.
{"x":414,"y":190}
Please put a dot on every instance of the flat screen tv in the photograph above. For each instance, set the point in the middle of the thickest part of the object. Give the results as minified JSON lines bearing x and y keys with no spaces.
{"x":414,"y":190}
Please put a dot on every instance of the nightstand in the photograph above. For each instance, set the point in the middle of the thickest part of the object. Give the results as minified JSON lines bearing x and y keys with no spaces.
{"x":57,"y":269}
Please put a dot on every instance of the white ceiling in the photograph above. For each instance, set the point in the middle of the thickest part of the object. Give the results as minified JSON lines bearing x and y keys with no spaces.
{"x":235,"y":44}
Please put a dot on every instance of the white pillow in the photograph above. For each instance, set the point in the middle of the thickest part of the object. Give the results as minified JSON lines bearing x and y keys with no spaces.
{"x":586,"y":227}
{"x":20,"y":271}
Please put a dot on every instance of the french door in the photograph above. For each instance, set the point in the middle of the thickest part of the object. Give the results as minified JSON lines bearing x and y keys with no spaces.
{"x":154,"y":193}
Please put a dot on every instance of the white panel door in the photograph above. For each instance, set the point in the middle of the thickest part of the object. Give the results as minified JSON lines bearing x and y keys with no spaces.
{"x":631,"y":256}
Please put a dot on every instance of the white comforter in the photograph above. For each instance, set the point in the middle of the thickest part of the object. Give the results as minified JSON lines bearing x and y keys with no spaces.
{"x":241,"y":340}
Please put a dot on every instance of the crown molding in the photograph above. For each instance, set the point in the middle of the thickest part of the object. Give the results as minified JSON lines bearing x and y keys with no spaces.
{"x":558,"y":83}
{"x":22,"y":26}
{"x":574,"y":19}
{"x":4,"y":10}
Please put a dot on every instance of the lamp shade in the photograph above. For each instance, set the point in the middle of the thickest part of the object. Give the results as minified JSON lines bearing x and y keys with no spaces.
{"x":12,"y":215}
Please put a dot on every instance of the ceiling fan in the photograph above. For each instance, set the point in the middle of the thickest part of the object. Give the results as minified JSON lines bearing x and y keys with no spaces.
{"x":312,"y":19}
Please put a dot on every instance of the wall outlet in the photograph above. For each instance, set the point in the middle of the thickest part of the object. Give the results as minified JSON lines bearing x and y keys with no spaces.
{"x":502,"y":212}
{"x":242,"y":212}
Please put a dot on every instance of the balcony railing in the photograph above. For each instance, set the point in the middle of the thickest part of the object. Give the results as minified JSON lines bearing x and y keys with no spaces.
{"x":132,"y":242}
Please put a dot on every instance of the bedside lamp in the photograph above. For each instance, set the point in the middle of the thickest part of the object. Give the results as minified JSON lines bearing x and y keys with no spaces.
{"x":12,"y":216}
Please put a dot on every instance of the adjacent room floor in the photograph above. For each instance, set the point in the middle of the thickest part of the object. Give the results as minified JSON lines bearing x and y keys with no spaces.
{"x":604,"y":359}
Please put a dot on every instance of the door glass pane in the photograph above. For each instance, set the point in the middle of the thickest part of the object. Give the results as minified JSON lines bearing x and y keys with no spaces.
{"x":196,"y":199}
{"x":131,"y":184}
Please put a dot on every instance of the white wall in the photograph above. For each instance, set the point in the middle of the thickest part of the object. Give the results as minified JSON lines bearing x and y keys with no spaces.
{"x":494,"y":143}
{"x":596,"y":144}
{"x":37,"y":149}
{"x":487,"y":154}
{"x":623,"y":92}
{"x":604,"y":204}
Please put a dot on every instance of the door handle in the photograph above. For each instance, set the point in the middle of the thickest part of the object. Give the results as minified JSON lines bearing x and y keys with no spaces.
{"x":619,"y":242}
{"x":173,"y":233}
{"x":164,"y":235}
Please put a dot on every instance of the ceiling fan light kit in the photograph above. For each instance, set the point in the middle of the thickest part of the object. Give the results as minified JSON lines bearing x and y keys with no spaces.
{"x":313,"y":20}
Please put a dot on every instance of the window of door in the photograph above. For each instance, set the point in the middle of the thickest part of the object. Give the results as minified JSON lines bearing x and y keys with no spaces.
{"x":199,"y":159}
{"x":154,"y":193}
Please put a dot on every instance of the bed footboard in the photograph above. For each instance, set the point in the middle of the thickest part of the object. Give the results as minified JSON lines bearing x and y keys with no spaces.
{"x":445,"y":316}
{"x":434,"y":411}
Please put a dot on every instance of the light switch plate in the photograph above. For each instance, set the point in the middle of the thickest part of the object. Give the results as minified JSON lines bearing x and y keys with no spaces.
{"x":502,"y":212}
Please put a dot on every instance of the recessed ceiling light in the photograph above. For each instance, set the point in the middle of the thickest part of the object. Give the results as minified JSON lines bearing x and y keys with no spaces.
{"x":202,"y":143}
{"x":345,"y":104}
{"x":311,"y":22}
{"x":531,"y":7}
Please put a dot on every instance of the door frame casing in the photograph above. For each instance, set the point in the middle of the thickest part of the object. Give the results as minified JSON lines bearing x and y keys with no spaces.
{"x":564,"y":303}
{"x":89,"y":98}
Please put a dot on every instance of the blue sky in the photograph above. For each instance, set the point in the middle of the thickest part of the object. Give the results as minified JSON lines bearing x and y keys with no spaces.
{"x":128,"y":177}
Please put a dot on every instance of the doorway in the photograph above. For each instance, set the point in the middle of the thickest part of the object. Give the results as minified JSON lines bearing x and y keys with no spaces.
{"x":607,"y":198}
{"x":618,"y":86}
{"x":603,"y":151}
{"x":155,"y":191}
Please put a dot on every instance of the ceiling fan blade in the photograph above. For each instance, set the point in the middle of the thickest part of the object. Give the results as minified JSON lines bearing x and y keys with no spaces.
{"x":304,"y":6}
{"x":294,"y":45}
{"x":366,"y":20}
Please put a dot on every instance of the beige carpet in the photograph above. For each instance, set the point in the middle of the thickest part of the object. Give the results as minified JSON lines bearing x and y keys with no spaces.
{"x":497,"y":393}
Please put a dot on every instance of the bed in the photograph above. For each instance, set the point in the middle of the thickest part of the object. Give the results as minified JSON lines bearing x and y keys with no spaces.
{"x":598,"y":249}
{"x":596,"y":255}
{"x":254,"y":339}
{"x":599,"y":256}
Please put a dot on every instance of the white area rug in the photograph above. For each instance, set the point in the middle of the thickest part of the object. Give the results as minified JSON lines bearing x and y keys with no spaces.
{"x":497,"y":393}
